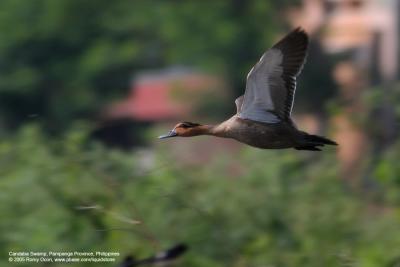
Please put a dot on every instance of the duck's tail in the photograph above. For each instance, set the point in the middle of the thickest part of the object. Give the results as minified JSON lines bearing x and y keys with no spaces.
{"x":313,"y":142}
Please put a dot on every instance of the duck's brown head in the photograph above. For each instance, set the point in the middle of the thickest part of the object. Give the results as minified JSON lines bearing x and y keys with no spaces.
{"x":185,"y":129}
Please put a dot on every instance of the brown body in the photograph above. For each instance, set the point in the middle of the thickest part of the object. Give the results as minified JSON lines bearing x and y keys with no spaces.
{"x":258,"y":134}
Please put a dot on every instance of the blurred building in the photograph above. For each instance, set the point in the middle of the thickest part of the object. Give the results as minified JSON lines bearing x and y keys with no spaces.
{"x":164,"y":95}
{"x":160,"y":97}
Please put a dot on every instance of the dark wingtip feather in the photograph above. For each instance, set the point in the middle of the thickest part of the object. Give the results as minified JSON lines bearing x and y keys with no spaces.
{"x":300,"y":29}
{"x":294,"y":49}
{"x":297,"y":36}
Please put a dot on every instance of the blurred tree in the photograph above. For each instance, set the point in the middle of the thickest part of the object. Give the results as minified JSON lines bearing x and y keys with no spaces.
{"x":286,"y":210}
{"x":62,"y":60}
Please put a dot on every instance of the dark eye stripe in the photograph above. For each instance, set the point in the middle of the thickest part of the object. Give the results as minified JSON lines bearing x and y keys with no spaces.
{"x":189,"y":124}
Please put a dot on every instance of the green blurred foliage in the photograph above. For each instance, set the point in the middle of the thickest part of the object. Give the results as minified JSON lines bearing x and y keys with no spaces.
{"x":288,"y":209}
{"x":62,"y":60}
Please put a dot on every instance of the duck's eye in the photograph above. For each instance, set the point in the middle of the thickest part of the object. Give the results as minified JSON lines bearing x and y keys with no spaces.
{"x":184,"y":125}
{"x":188,"y":125}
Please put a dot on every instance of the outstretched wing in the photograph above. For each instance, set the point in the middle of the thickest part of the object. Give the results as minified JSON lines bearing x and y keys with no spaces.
{"x":271,"y":83}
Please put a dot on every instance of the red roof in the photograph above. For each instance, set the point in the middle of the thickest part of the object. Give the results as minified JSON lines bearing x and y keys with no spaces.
{"x":148,"y":102}
{"x":152,"y":97}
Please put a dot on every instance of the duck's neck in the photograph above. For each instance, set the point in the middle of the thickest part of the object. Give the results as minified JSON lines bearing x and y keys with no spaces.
{"x":208,"y":130}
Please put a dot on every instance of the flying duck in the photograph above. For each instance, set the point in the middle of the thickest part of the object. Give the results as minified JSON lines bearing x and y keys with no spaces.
{"x":263,"y":113}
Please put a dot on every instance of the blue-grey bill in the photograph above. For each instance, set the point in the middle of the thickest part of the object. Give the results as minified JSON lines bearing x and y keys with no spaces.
{"x":168,"y":135}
